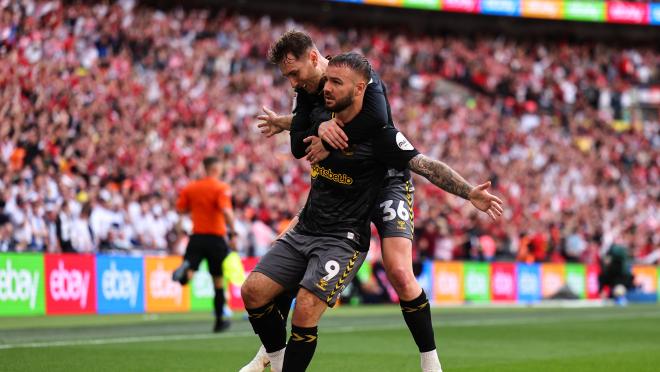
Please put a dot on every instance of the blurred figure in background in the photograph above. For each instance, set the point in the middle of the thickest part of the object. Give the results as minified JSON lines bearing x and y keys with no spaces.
{"x":208,"y":201}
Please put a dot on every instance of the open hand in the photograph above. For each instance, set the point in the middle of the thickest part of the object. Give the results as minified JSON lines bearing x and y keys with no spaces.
{"x":485,"y":201}
{"x":270,"y":124}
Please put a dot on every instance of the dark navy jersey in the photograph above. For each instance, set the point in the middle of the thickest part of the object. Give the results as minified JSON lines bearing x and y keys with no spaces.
{"x":346,"y":184}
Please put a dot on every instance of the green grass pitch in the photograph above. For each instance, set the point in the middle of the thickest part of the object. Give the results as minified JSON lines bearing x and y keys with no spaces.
{"x":350,"y":339}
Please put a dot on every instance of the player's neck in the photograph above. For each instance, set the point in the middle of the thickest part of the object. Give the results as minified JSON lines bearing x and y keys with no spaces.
{"x":350,"y":112}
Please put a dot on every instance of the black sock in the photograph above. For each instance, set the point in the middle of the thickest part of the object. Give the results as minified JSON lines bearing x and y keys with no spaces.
{"x":267,"y":322}
{"x":300,"y":349}
{"x":219,"y":303}
{"x":283,"y":303}
{"x":417,"y":314}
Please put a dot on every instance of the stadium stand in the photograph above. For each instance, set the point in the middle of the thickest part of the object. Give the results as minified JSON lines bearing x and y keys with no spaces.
{"x":106,"y":109}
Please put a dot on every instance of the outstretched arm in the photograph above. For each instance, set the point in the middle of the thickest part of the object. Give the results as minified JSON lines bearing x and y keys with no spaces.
{"x":271,"y":123}
{"x":441,"y":175}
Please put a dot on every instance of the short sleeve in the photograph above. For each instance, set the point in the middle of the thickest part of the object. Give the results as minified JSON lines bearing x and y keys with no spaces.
{"x":393,"y":149}
{"x":182,"y":204}
{"x":224,"y":197}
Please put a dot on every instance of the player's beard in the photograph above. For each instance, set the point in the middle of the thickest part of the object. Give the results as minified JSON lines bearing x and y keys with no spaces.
{"x":340,"y":104}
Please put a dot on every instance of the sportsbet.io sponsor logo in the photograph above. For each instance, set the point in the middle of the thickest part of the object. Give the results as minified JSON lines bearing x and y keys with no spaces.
{"x":120,"y":285}
{"x":18,"y":285}
{"x":69,"y":285}
{"x":318,"y":170}
{"x":162,"y":287}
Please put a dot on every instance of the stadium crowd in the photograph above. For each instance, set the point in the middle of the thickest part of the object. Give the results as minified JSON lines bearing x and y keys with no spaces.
{"x":107,"y":110}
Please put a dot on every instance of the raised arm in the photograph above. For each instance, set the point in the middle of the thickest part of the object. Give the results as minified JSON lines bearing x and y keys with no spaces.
{"x":443,"y":176}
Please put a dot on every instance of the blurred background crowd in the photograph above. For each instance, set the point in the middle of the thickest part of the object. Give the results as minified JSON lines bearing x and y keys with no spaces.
{"x":107,"y":110}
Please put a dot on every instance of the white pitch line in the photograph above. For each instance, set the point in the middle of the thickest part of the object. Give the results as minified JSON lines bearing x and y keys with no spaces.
{"x":347,"y":329}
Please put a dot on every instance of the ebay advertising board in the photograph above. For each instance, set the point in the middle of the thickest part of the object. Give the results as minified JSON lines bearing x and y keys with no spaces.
{"x":503,"y":282}
{"x":22,"y":284}
{"x":646,"y":278}
{"x":70,"y":284}
{"x":476,"y":281}
{"x":529,"y":283}
{"x":448,"y":282}
{"x":163,"y":294}
{"x":202,"y":289}
{"x":119,"y":284}
{"x":553,"y":277}
{"x":576,"y":279}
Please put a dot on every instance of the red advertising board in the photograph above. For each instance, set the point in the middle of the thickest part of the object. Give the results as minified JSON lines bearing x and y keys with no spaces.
{"x":235,"y":300}
{"x":70,"y":284}
{"x":503,"y":282}
{"x":627,"y":12}
{"x":592,"y":282}
{"x":464,"y":6}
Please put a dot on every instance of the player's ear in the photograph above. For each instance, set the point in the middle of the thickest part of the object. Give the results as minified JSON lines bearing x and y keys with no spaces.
{"x":360,"y":88}
{"x":314,"y":57}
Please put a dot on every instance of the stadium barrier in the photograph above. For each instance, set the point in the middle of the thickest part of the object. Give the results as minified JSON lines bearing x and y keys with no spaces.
{"x":38,"y":284}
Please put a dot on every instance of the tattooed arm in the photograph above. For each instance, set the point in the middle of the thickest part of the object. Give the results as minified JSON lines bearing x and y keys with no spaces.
{"x":441,"y":175}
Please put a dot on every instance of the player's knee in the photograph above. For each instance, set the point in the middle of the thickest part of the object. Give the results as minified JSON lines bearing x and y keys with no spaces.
{"x":250,"y":293}
{"x":307,"y":310}
{"x":403,"y":280}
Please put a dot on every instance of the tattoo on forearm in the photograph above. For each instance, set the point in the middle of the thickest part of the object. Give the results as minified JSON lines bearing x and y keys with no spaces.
{"x":441,"y":175}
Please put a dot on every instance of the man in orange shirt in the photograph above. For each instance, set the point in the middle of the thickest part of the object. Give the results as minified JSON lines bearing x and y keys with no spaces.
{"x":209,"y":203}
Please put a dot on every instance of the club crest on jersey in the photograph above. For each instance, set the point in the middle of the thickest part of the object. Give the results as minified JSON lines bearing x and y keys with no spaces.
{"x":403,"y":143}
{"x":318,"y":170}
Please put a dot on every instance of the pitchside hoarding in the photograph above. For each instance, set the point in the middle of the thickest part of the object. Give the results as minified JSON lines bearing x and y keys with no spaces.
{"x":503,"y":282}
{"x":422,"y":4}
{"x":202,"y":290}
{"x":553,"y":278}
{"x":163,"y":294}
{"x":501,"y":7}
{"x":646,"y":277}
{"x":529,"y":283}
{"x":576,"y":279}
{"x":70,"y":284}
{"x":592,"y":282}
{"x":119,"y":284}
{"x":476,"y":281}
{"x":581,"y":10}
{"x":448,"y":282}
{"x":22,"y":284}
{"x":463,"y":6}
{"x":654,"y":14}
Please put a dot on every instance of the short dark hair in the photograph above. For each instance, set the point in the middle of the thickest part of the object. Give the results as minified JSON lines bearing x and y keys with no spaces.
{"x":210,"y":161}
{"x":293,"y":41}
{"x":355,"y":61}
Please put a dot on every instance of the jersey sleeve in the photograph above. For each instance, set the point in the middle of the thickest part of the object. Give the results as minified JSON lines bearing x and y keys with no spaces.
{"x":301,"y":127}
{"x":374,"y":114}
{"x":183,"y":203}
{"x":224,"y":197}
{"x":393,"y":149}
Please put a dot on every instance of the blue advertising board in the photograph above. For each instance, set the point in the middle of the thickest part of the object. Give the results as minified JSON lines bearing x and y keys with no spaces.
{"x":501,"y":7}
{"x":119,"y":284}
{"x":529,"y":282}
